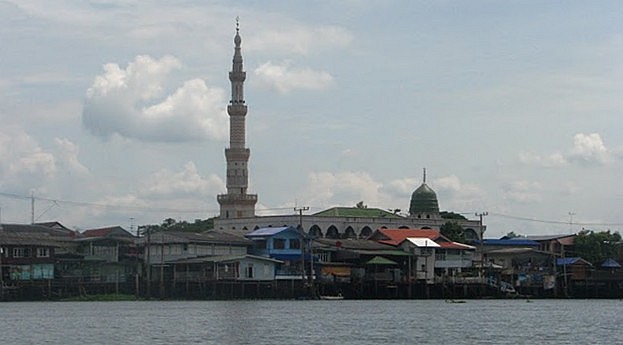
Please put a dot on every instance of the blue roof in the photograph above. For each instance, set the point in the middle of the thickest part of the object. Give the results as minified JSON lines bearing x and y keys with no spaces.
{"x":266,"y":232}
{"x":509,"y":242}
{"x":610,"y":263}
{"x":570,"y":261}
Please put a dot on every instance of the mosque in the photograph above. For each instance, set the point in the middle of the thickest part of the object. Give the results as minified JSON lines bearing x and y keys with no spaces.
{"x":237,"y":207}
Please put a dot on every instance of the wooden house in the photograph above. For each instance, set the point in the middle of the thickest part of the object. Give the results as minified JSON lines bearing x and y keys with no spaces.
{"x":285,"y":244}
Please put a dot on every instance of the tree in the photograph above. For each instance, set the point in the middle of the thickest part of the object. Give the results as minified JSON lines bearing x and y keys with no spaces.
{"x":361,"y":205}
{"x":511,"y":235}
{"x":596,"y":247}
{"x":453,"y":231}
{"x":169,"y":224}
{"x":451,"y":215}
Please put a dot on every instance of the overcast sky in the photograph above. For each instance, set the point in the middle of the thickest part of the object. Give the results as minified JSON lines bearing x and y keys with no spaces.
{"x":114,"y":112}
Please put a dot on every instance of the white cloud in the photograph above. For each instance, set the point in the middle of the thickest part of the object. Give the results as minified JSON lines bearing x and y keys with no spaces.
{"x":552,"y":160}
{"x":522,"y":191}
{"x":284,"y":78}
{"x":187,"y":182}
{"x":128,"y":102}
{"x":455,"y":195}
{"x":300,"y":39}
{"x":587,"y":149}
{"x":68,"y":156}
{"x":345,"y":188}
{"x":590,"y":148}
{"x":22,"y":160}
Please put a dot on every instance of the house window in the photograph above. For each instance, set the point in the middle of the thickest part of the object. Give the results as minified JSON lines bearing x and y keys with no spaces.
{"x":43,"y":252}
{"x":295,"y":244}
{"x":279,"y":243}
{"x":19,"y":252}
{"x":261,"y":244}
{"x":249,"y":271}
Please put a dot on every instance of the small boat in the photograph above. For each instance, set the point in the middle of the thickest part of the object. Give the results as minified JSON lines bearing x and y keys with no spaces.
{"x":332,"y":298}
{"x":454,"y":301}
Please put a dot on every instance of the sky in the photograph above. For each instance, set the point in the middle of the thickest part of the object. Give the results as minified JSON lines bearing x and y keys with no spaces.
{"x":114,"y":112}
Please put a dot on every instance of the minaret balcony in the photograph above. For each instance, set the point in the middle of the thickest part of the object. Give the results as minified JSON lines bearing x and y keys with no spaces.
{"x":232,"y":198}
{"x":237,"y":109}
{"x":236,"y":154}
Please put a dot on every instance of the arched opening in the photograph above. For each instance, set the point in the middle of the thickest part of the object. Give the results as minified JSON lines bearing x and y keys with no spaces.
{"x":403,"y":227}
{"x":350,"y":233}
{"x":383,"y":227}
{"x":426,"y":228}
{"x":315,"y":231}
{"x":365,"y":232}
{"x":470,"y":234}
{"x":256,"y":227}
{"x":332,"y":232}
{"x":245,"y":228}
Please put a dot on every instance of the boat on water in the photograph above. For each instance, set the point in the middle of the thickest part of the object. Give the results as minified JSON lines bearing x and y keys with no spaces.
{"x":332,"y":298}
{"x":455,"y":301}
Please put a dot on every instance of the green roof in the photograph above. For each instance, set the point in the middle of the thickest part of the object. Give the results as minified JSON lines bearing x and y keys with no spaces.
{"x":424,"y":200}
{"x":356,"y":212}
{"x":379,"y":260}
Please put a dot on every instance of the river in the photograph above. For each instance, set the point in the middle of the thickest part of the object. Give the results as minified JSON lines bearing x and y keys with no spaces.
{"x":314,"y":322}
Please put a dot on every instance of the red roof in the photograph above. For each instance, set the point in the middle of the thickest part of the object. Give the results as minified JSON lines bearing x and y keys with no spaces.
{"x":395,"y":236}
{"x":455,"y":245}
{"x":97,"y":232}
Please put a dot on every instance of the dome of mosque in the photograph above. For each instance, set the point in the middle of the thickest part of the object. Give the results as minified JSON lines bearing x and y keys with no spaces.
{"x":424,"y":201}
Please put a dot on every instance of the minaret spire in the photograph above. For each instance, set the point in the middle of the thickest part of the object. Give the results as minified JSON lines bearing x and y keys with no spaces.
{"x":424,"y":179}
{"x":237,"y":203}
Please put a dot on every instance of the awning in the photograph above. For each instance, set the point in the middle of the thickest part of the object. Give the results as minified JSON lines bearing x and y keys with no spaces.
{"x":379,"y":260}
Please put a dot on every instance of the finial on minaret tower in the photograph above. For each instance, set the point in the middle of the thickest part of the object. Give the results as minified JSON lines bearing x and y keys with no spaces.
{"x":237,"y":203}
{"x":424,"y":180}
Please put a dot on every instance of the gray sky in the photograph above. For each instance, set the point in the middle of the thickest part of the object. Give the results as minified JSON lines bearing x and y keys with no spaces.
{"x":113,"y":110}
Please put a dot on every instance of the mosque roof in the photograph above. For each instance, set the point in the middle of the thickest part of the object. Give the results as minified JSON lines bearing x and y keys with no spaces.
{"x":424,"y":200}
{"x":356,"y":212}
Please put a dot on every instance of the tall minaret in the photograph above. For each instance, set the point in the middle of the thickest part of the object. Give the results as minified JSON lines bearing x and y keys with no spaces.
{"x":237,"y":203}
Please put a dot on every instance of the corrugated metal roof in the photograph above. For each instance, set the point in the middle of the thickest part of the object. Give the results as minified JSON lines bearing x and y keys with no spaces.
{"x":395,"y":236}
{"x":268,"y":231}
{"x":610,"y":263}
{"x":356,"y":212}
{"x":571,"y":261}
{"x":379,"y":260}
{"x":422,"y":242}
{"x":511,"y":242}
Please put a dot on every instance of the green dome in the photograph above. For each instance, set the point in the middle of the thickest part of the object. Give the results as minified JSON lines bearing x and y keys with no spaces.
{"x":424,"y":200}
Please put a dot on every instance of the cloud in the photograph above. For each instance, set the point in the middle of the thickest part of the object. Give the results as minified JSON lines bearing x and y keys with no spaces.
{"x":552,"y":160}
{"x":131,"y":103}
{"x":345,"y":188}
{"x":284,"y":78}
{"x":22,"y":160}
{"x":300,"y":39}
{"x":522,"y":191}
{"x":587,"y":149}
{"x":187,"y":182}
{"x":68,"y":156}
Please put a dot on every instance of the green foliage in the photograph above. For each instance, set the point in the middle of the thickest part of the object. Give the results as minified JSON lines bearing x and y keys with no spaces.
{"x":451,"y":215}
{"x":170,"y":224}
{"x":595,"y":247}
{"x":512,"y":234}
{"x":453,"y":231}
{"x":102,"y":298}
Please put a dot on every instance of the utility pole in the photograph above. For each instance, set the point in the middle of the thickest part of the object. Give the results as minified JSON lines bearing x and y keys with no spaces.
{"x":302,"y":232}
{"x":482,"y":254}
{"x":571,"y":214}
{"x":148,"y":262}
{"x":32,"y":208}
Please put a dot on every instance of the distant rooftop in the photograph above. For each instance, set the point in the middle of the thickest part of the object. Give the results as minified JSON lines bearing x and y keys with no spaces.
{"x":357,"y":212}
